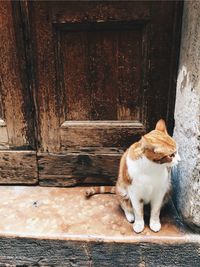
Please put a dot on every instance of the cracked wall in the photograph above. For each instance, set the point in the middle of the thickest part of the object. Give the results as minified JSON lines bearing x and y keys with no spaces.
{"x":187,"y":118}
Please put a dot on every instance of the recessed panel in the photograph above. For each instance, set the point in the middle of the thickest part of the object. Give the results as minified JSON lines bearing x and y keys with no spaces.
{"x":102,"y":70}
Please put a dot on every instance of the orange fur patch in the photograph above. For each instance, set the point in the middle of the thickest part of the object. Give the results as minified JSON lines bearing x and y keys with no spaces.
{"x":158,"y":145}
{"x":135,"y":151}
{"x":123,"y":171}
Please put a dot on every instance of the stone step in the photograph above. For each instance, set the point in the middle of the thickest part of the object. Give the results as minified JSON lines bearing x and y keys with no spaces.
{"x":42,"y":226}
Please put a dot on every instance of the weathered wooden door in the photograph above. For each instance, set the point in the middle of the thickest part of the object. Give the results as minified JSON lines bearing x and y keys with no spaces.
{"x":104,"y":75}
{"x":99,"y":75}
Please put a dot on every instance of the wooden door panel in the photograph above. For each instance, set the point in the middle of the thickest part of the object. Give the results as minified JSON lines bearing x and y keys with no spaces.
{"x":89,"y":62}
{"x":18,"y":164}
{"x":104,"y":73}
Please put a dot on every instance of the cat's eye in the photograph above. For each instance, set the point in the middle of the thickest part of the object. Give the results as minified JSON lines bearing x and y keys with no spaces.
{"x":172,"y":155}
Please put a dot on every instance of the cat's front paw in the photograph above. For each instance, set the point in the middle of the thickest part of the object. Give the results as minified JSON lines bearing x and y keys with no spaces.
{"x":138,"y":227}
{"x":130,"y":217}
{"x":155,"y":226}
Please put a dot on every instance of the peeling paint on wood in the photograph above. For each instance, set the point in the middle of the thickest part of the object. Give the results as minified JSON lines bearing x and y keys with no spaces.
{"x":32,"y":252}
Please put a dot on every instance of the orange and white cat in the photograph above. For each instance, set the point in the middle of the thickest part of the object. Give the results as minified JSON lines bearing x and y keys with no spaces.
{"x":144,"y":177}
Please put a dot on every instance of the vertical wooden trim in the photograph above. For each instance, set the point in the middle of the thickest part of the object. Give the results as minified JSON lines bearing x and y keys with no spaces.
{"x":10,"y":78}
{"x":45,"y":91}
{"x":21,"y":21}
{"x":163,"y":94}
{"x":16,"y":107}
{"x":18,"y":162}
{"x":178,"y":12}
{"x":145,"y":74}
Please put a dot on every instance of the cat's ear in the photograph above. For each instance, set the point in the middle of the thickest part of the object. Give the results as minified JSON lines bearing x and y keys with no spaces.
{"x":161,"y":126}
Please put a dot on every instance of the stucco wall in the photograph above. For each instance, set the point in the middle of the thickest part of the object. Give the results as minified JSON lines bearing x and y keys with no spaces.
{"x":187,"y":117}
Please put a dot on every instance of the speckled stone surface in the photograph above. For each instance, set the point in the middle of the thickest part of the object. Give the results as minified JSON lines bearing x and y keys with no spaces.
{"x":64,"y":213}
{"x":187,"y":120}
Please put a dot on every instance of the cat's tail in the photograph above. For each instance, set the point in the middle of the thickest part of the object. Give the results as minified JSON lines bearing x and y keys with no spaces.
{"x":99,"y":190}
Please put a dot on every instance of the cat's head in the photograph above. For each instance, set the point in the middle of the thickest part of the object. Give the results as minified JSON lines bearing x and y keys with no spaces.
{"x":159,"y":147}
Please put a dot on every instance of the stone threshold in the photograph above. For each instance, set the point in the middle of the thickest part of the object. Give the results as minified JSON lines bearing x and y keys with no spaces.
{"x":44,"y":218}
{"x":65,"y":214}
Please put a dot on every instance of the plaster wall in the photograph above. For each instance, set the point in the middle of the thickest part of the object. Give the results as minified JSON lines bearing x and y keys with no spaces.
{"x":187,"y":117}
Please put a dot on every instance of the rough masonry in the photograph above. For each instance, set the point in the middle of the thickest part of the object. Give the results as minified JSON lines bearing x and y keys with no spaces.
{"x":187,"y":118}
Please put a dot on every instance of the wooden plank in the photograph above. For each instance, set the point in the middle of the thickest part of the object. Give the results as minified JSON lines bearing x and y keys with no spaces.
{"x":47,"y":252}
{"x":78,"y":168}
{"x":18,"y":167}
{"x":100,"y":11}
{"x":100,"y":133}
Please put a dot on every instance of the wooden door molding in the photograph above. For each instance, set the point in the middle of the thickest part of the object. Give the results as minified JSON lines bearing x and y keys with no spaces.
{"x":79,"y":134}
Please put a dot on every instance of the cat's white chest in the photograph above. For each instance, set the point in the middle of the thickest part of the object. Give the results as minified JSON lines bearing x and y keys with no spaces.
{"x":149,"y":180}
